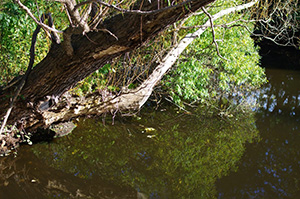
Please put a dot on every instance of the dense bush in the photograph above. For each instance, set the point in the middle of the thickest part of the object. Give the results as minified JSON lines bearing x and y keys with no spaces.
{"x":202,"y":75}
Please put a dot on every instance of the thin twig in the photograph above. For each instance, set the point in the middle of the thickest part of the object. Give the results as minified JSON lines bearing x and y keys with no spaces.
{"x":109,"y":32}
{"x":213,"y":33}
{"x":141,"y":12}
{"x":35,"y":20}
{"x":68,"y":15}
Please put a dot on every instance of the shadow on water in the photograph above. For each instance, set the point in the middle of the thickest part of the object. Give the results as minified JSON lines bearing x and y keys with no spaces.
{"x":161,"y":154}
{"x":271,"y":167}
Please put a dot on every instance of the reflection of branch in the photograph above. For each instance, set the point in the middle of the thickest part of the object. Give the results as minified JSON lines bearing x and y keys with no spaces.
{"x":5,"y":169}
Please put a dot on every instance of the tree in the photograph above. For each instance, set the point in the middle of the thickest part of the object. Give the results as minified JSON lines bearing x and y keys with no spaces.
{"x":86,"y":49}
{"x":278,"y":21}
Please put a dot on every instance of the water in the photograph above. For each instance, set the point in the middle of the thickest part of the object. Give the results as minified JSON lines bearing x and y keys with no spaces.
{"x":271,"y":168}
{"x":170,"y":154}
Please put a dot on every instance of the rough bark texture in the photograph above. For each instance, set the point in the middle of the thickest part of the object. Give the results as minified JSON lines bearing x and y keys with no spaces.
{"x":58,"y":72}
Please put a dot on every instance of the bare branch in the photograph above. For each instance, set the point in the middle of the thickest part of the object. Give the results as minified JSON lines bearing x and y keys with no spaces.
{"x":213,"y":32}
{"x":75,"y":15}
{"x":98,"y":18}
{"x":54,"y":36}
{"x":35,"y":20}
{"x":180,"y":25}
{"x":267,"y":37}
{"x":68,"y":15}
{"x":86,"y":14}
{"x":109,"y":32}
{"x":278,"y":21}
{"x":141,"y":12}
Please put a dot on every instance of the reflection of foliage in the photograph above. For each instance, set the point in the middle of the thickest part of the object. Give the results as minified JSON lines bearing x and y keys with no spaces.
{"x":281,"y":95}
{"x":279,"y":125}
{"x":182,"y":158}
{"x":30,"y":178}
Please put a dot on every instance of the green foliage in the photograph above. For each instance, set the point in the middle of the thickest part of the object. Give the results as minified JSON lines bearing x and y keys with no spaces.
{"x":15,"y":40}
{"x":202,"y":75}
{"x":16,"y":29}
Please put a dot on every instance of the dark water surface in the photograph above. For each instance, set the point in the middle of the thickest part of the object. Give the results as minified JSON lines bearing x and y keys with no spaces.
{"x":170,"y":154}
{"x":271,"y":168}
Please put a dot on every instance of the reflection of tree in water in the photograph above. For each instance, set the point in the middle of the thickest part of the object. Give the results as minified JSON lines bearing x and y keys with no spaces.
{"x":182,"y":158}
{"x":270,"y":169}
{"x":27,"y":177}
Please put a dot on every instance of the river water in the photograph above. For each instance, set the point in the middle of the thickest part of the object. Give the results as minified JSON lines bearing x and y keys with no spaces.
{"x":169,"y":153}
{"x":270,"y":168}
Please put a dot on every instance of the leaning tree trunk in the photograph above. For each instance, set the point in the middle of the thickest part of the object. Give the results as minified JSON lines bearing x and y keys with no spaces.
{"x":101,"y":102}
{"x":58,"y":71}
